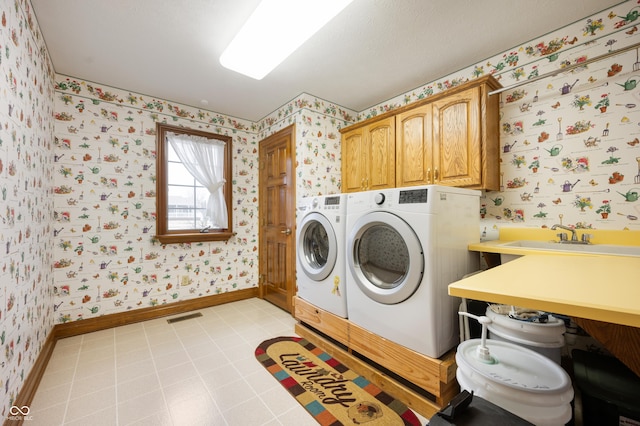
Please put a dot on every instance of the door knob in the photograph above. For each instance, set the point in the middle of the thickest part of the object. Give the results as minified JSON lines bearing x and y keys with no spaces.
{"x":286,"y":231}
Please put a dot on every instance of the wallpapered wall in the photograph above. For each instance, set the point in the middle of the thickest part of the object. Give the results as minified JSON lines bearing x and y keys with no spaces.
{"x":26,"y":206}
{"x":106,"y":257}
{"x":78,"y":163}
{"x":570,"y":151}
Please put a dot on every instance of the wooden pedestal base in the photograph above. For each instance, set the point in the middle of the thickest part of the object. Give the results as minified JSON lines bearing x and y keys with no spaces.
{"x":425,"y":384}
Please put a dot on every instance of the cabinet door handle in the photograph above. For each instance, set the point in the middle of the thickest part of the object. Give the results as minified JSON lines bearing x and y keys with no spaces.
{"x":362,"y":184}
{"x":436,"y":176}
{"x":429,"y":175}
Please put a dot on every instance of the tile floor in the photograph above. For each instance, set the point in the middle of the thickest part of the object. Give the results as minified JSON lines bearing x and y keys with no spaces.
{"x":200,"y":371}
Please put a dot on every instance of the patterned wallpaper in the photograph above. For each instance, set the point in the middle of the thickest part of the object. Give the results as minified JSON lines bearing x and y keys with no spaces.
{"x":570,"y":150}
{"x":77,"y":172}
{"x":26,"y":206}
{"x":106,"y":259}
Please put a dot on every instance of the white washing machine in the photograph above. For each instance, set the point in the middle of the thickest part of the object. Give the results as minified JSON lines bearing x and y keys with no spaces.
{"x":320,"y":260}
{"x":405,"y":246}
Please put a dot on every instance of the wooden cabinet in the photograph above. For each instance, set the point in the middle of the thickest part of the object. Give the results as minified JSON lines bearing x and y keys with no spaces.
{"x":457,"y":153}
{"x":414,"y":147}
{"x":451,"y":138}
{"x":368,"y":156}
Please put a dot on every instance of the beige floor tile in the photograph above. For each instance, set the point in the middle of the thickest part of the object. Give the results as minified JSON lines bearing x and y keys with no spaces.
{"x":297,"y":416}
{"x":136,"y":387}
{"x":232,"y":394}
{"x":91,"y":403}
{"x":60,"y":362}
{"x":203,"y":349}
{"x":105,"y":345}
{"x":240,"y":351}
{"x":187,"y":389}
{"x":176,"y":373}
{"x":92,"y":368}
{"x":249,"y":412}
{"x":131,"y":341}
{"x":220,"y":377}
{"x":133,"y":357}
{"x":247,"y":365}
{"x":210,"y":362}
{"x":103,"y":380}
{"x":105,"y":417}
{"x":278,"y":399}
{"x":129,"y":328}
{"x":50,"y":416}
{"x":196,"y":411}
{"x":70,"y":341}
{"x":51,"y":379}
{"x":198,"y":371}
{"x":104,"y":354}
{"x":261,"y":381}
{"x":102,"y":335}
{"x":144,"y":406}
{"x":133,"y":370}
{"x":161,"y":418}
{"x":172,"y":359}
{"x":46,"y":398}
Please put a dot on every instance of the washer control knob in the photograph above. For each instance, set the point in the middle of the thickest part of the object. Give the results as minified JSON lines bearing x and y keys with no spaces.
{"x":379,"y":198}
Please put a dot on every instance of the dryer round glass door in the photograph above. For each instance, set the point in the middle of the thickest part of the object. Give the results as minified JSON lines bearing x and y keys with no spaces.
{"x":385,"y":257}
{"x":317,"y":246}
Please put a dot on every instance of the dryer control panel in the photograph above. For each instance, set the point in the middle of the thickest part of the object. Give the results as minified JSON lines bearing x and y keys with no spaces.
{"x":413,"y":196}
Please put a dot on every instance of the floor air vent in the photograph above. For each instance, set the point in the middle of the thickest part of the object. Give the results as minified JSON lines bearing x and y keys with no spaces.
{"x":184,"y":317}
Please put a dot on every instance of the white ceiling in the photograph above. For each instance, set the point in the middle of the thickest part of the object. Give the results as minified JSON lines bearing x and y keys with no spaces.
{"x":373,"y":51}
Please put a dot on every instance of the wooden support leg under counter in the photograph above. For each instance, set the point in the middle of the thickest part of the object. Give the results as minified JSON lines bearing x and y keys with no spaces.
{"x":425,"y":384}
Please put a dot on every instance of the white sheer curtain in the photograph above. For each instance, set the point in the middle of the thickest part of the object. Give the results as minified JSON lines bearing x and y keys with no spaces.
{"x":204,"y":159}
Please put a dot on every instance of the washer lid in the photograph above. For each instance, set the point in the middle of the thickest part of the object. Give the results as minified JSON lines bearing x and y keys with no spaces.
{"x":515,"y":367}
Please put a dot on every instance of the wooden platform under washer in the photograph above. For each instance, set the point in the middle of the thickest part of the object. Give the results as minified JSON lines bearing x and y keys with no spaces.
{"x":425,"y":384}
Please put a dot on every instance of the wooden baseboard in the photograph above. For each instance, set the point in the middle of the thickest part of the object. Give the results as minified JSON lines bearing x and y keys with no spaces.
{"x":30,"y":385}
{"x":60,"y":331}
{"x":130,"y":317}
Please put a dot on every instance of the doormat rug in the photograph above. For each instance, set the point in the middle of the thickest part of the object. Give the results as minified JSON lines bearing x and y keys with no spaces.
{"x":333,"y":394}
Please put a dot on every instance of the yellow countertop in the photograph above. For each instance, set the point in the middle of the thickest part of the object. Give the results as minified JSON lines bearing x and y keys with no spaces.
{"x":603,"y":288}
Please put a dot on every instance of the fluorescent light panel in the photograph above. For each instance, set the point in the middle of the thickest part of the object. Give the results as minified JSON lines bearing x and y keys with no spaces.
{"x":274,"y":31}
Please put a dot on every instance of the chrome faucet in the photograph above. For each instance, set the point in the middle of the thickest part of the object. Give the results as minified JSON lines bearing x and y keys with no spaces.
{"x":574,"y":235}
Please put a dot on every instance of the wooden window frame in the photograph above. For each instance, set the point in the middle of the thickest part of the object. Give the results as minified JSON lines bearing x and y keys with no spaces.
{"x":163,"y":234}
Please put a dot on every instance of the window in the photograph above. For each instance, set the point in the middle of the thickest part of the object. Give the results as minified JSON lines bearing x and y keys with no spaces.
{"x":193,"y":186}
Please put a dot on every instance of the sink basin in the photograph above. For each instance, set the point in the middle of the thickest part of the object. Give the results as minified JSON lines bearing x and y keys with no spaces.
{"x":601,"y":249}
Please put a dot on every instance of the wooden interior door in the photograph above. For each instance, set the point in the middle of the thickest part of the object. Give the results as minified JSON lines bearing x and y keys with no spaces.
{"x":277,"y":218}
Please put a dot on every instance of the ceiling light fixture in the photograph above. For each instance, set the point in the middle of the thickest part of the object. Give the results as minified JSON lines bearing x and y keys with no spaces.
{"x":274,"y":31}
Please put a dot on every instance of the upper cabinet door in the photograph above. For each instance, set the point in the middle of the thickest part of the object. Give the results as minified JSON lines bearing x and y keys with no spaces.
{"x":457,"y":149}
{"x":381,"y":157}
{"x":414,"y":146}
{"x":354,"y":161}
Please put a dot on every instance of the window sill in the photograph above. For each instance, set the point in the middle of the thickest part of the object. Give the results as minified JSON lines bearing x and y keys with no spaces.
{"x":193,"y":237}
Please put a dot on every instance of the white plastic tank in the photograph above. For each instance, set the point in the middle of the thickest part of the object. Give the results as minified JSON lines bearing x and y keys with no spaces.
{"x":515,"y":378}
{"x":535,"y":330}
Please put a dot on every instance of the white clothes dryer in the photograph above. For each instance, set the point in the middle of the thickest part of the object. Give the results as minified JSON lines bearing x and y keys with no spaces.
{"x":405,"y":246}
{"x":320,"y":259}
